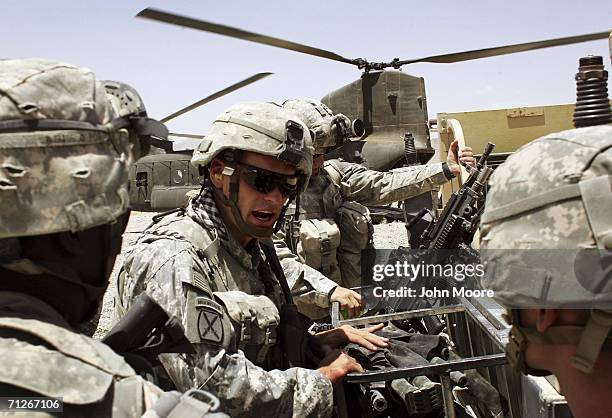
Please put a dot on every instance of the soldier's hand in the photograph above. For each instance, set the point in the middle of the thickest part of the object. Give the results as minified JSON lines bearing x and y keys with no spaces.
{"x":465,"y":157}
{"x":348,"y":299}
{"x":341,"y":336}
{"x":338,"y":364}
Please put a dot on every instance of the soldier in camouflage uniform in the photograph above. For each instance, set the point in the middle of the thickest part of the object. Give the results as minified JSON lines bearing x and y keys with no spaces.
{"x":63,"y":207}
{"x":335,"y":225}
{"x":546,"y":236}
{"x":208,"y":267}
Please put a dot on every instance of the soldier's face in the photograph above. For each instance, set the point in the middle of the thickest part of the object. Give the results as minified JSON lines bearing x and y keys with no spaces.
{"x":262,"y":209}
{"x":256,"y":208}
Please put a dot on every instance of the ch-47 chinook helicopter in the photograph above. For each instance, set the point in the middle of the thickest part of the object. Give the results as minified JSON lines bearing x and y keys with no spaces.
{"x":390,"y":103}
{"x":160,"y":180}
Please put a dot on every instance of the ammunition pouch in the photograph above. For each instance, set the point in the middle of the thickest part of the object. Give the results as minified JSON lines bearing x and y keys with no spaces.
{"x":356,"y":233}
{"x":319,"y":240}
{"x":255,"y":320}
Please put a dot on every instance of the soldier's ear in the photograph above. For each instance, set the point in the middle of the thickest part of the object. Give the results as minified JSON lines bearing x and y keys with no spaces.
{"x":545,"y":319}
{"x":215,"y":170}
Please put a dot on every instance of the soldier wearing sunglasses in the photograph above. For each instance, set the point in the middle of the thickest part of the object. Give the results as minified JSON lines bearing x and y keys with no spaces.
{"x":213,"y":267}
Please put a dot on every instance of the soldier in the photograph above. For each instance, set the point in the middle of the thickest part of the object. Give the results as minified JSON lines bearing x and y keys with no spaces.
{"x":63,"y":209}
{"x":546,"y":236}
{"x":334,"y":223}
{"x":213,"y":267}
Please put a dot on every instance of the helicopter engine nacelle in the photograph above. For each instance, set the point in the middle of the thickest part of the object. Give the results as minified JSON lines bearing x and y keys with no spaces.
{"x":355,"y":131}
{"x":386,"y":106}
{"x":357,"y":128}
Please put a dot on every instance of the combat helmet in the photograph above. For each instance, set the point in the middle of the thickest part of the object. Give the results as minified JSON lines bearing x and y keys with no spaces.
{"x":546,"y":232}
{"x":132,"y":114}
{"x":65,"y":152}
{"x":328,"y":130}
{"x":546,"y":236}
{"x":262,"y":128}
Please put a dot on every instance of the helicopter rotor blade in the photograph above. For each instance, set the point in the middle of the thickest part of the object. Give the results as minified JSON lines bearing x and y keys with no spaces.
{"x":507,"y":49}
{"x":164,"y":144}
{"x":216,"y":95}
{"x":161,"y":16}
{"x":193,"y":136}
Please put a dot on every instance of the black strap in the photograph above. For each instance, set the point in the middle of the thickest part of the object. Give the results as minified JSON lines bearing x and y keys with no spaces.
{"x":276,"y":267}
{"x":47,"y":125}
{"x":293,"y":223}
{"x":155,"y":219}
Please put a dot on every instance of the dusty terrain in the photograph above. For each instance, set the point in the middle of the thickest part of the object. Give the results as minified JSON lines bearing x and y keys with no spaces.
{"x":389,"y":235}
{"x":137,"y":223}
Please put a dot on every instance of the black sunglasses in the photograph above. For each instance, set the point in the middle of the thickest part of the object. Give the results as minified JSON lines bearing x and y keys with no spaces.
{"x":265,"y":181}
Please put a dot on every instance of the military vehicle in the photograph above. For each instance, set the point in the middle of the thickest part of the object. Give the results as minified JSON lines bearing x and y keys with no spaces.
{"x":160,"y":180}
{"x":507,"y":128}
{"x":391,"y":103}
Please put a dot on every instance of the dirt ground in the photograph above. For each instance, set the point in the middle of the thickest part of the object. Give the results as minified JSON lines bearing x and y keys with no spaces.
{"x":389,"y":235}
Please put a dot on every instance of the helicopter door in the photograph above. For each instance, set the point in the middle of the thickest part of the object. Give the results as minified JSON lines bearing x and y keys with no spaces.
{"x":140,"y":184}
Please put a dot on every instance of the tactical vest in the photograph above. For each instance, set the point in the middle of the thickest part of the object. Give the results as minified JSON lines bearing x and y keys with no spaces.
{"x":332,"y":231}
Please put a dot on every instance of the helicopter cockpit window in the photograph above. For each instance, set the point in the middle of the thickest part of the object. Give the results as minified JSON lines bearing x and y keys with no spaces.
{"x":141,"y":179}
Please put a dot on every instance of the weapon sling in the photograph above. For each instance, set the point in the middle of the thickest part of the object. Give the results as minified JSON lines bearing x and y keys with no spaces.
{"x":292,"y":334}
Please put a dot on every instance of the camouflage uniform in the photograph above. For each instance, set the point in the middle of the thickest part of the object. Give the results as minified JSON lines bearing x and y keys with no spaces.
{"x":63,"y":168}
{"x":43,"y":357}
{"x":546,"y":238}
{"x":335,"y":224}
{"x":226,"y":297}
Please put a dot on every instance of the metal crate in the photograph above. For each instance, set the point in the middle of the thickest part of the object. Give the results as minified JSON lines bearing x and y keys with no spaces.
{"x":479,"y":334}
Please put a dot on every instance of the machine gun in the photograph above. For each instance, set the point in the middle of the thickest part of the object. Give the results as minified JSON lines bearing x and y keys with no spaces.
{"x":458,"y":222}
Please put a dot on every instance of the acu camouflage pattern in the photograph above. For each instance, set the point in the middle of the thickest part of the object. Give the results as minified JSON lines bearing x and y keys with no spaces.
{"x":369,"y":187}
{"x":125,"y":99}
{"x":257,"y":127}
{"x":334,"y":193}
{"x":185,"y":256}
{"x":320,"y":120}
{"x":547,"y":165}
{"x":310,"y":288}
{"x":90,"y":378}
{"x":63,"y":179}
{"x":336,"y":197}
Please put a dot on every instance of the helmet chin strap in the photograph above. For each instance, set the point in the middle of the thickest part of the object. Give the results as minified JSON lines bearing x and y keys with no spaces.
{"x":250,"y":230}
{"x":589,"y":340}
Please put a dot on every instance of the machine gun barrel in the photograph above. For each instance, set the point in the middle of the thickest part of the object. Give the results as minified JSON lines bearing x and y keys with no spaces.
{"x":482,"y":161}
{"x":457,"y":223}
{"x":485,"y":155}
{"x":481,"y":179}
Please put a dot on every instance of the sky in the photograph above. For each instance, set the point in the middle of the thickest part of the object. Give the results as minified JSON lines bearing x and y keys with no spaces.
{"x":172,"y":67}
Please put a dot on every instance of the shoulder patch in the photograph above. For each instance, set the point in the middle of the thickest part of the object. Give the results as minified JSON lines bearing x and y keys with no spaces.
{"x":210,"y":320}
